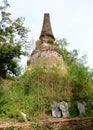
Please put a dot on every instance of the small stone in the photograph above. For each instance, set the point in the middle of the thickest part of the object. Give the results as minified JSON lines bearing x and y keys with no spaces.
{"x":64,"y":108}
{"x":81,"y":107}
{"x":56,"y":112}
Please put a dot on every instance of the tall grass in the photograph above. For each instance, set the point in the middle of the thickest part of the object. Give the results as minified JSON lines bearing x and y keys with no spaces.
{"x":35,"y":91}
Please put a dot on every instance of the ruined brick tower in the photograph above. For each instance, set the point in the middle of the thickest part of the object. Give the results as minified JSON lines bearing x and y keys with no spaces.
{"x":47,"y":51}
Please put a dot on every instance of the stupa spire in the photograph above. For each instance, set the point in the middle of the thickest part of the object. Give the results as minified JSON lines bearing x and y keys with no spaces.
{"x":46,"y":32}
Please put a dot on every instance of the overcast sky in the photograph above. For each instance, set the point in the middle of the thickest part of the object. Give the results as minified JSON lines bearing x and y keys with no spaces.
{"x":70,"y":19}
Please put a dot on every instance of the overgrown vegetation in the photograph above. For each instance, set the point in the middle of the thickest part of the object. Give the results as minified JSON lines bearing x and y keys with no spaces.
{"x":34,"y":92}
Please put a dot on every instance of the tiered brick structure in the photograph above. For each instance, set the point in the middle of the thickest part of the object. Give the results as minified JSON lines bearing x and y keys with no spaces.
{"x":47,"y":51}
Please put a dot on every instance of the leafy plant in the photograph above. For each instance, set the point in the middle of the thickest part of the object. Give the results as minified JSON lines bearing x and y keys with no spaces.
{"x":13,"y":37}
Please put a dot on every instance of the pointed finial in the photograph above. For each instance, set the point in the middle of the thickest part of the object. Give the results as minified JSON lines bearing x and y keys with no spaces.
{"x":46,"y":32}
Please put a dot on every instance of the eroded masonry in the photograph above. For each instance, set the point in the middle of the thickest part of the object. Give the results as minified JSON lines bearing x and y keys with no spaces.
{"x":47,"y":51}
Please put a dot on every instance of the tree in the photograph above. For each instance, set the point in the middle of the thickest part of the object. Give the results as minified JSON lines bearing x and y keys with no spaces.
{"x":13,"y":39}
{"x":70,"y":57}
{"x":62,"y":43}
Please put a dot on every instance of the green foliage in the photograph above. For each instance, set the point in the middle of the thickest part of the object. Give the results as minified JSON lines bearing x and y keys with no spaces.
{"x":12,"y":128}
{"x":37,"y":127}
{"x":35,"y":91}
{"x":73,"y":110}
{"x":81,"y":82}
{"x":51,"y":41}
{"x":70,"y":57}
{"x":50,"y":127}
{"x":13,"y":37}
{"x":62,"y":43}
{"x":79,"y":76}
{"x":62,"y":128}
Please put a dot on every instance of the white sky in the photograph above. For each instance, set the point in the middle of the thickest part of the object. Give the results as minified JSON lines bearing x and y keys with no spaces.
{"x":70,"y":19}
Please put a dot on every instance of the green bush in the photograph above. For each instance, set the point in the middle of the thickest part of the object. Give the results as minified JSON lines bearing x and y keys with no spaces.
{"x":73,"y":111}
{"x":35,"y":91}
{"x":80,"y":82}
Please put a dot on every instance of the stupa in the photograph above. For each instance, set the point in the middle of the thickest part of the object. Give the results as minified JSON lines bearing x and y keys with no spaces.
{"x":47,"y":51}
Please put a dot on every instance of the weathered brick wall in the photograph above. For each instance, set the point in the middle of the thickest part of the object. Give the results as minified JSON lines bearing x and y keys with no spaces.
{"x":53,"y":124}
{"x":71,"y":124}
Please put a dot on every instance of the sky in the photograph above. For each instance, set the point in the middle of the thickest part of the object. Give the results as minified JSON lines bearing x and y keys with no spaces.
{"x":70,"y":19}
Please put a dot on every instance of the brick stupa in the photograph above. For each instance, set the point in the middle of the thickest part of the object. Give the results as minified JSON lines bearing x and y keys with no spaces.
{"x":47,"y":51}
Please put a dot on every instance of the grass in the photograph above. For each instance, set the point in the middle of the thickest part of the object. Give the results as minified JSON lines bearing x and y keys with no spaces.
{"x":34,"y":92}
